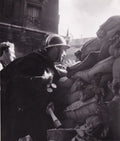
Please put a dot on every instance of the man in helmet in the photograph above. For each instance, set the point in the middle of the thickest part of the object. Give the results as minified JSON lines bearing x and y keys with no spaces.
{"x":58,"y":53}
{"x":28,"y":85}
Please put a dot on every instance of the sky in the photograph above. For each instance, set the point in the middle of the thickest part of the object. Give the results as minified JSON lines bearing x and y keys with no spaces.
{"x":83,"y":17}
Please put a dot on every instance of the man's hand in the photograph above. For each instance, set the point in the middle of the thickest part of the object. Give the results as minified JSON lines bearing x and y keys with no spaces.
{"x":61,"y":70}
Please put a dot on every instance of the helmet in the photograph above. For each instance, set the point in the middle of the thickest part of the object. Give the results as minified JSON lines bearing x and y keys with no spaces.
{"x":54,"y":40}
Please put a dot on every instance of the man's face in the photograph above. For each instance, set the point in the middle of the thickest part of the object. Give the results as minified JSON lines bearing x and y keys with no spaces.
{"x":5,"y":57}
{"x":57,"y":54}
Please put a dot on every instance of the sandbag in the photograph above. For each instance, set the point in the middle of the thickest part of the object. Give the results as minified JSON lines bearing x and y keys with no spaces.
{"x":88,"y":62}
{"x":107,"y":31}
{"x":114,"y":114}
{"x":94,"y":129}
{"x":114,"y":49}
{"x":77,"y":85}
{"x":89,"y":47}
{"x":71,"y":98}
{"x":79,"y":111}
{"x":109,"y":27}
{"x":104,"y":66}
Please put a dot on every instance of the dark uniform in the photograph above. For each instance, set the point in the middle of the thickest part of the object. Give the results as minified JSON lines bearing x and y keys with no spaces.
{"x":26,"y":92}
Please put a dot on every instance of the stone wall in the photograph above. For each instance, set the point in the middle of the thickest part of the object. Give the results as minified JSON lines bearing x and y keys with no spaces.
{"x":26,"y":40}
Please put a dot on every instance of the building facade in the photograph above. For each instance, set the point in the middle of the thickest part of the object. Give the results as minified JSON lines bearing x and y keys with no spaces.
{"x":28,"y":22}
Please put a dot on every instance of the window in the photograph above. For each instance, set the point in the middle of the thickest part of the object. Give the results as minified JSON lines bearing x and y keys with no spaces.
{"x":33,"y":15}
{"x":33,"y":11}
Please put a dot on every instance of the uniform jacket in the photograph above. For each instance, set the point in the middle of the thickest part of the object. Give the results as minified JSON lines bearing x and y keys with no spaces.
{"x":25,"y":95}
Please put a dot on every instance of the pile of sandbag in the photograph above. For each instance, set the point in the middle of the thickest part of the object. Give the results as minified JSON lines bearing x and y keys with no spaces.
{"x":91,"y":108}
{"x":92,"y":94}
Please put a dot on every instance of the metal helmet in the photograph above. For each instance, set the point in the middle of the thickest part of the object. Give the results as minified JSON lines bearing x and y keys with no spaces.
{"x":54,"y":40}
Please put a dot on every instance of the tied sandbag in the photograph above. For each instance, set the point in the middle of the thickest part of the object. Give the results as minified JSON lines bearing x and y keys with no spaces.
{"x":109,"y":28}
{"x":104,"y":66}
{"x":89,"y":47}
{"x":114,"y":49}
{"x":107,"y":31}
{"x":79,"y":111}
{"x":93,"y":130}
{"x":89,"y":61}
